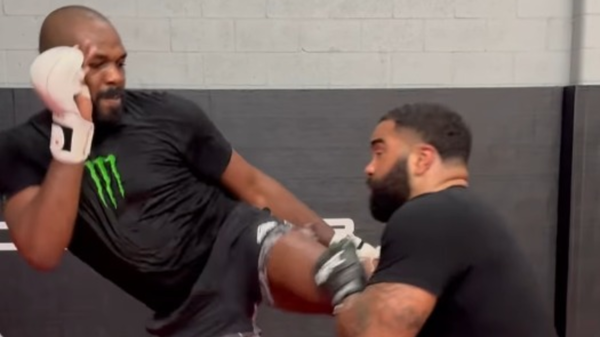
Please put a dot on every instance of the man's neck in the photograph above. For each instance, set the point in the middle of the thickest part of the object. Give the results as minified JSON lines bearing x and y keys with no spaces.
{"x":453,"y":177}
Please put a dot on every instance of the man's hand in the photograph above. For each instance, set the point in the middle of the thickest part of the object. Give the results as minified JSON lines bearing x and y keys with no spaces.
{"x":83,"y":98}
{"x":370,"y":265}
{"x":368,"y":255}
{"x":339,"y":272}
{"x":364,"y":249}
{"x":385,"y":310}
{"x":58,"y":76}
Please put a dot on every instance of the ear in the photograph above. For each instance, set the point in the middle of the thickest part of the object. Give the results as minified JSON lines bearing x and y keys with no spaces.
{"x":425,"y":156}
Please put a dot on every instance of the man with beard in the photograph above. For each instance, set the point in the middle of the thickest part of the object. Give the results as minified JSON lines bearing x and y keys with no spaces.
{"x":448,"y":265}
{"x":143,"y":188}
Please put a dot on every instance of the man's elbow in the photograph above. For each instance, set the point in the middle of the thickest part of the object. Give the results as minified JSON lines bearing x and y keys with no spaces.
{"x":258,"y":200}
{"x":257,"y":192}
{"x":39,"y":256}
{"x":42,"y":262}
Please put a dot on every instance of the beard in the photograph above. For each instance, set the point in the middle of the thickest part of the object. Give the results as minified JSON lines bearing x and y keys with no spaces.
{"x":390,"y":192}
{"x":107,"y":116}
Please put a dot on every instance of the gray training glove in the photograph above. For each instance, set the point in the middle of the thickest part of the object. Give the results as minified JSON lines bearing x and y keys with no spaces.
{"x":339,"y":271}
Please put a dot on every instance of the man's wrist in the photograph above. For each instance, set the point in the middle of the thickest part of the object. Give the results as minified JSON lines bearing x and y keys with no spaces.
{"x":346,"y":303}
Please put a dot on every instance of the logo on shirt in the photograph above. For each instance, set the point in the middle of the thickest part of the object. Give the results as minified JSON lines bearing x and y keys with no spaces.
{"x":105,"y":174}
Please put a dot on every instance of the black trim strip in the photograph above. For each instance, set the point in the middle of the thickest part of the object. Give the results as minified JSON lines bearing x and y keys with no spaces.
{"x":564,"y":211}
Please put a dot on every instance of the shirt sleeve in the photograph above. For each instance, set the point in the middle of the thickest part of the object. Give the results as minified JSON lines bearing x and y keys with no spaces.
{"x":17,"y":171}
{"x":423,"y":246}
{"x":202,"y":144}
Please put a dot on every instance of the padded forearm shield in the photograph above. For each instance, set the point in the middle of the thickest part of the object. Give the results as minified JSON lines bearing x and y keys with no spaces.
{"x":339,"y":271}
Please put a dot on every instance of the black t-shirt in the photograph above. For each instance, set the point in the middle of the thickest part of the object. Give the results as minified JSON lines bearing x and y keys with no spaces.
{"x":454,"y":246}
{"x":151,"y":204}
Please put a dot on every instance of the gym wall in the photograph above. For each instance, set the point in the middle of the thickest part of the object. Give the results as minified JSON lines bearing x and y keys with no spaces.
{"x":320,"y":43}
{"x":307,"y":76}
{"x":584,"y":240}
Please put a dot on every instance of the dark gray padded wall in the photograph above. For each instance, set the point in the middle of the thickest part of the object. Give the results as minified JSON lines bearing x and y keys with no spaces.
{"x":72,"y":301}
{"x":7,"y":117}
{"x":584,"y":273}
{"x":316,"y":143}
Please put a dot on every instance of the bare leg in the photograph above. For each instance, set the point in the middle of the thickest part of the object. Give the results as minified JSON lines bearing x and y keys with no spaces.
{"x":290,"y":269}
{"x":291,"y":274}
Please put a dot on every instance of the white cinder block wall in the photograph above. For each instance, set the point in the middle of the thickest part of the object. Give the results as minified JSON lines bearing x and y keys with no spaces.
{"x":586,"y":42}
{"x":328,"y":43}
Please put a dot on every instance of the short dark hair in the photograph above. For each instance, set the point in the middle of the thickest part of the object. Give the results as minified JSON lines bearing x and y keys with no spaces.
{"x":437,"y":125}
{"x":59,"y":27}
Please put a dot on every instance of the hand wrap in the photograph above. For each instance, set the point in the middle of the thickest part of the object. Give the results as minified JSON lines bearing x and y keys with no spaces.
{"x":57,"y":77}
{"x":363,"y":249}
{"x":339,"y":271}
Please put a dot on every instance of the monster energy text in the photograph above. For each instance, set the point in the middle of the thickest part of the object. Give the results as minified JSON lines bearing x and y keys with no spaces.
{"x":101,"y":170}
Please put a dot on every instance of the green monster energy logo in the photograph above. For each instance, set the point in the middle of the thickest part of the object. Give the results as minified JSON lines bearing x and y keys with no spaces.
{"x":102,"y":169}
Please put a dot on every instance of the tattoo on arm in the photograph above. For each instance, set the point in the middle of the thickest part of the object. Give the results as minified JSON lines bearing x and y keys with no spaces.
{"x":385,"y":309}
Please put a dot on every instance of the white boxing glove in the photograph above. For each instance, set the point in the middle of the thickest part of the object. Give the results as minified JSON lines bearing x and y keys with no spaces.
{"x":57,"y":76}
{"x":364,"y":250}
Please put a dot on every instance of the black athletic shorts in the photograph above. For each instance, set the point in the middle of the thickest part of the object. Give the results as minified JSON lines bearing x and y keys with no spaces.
{"x":224,"y":299}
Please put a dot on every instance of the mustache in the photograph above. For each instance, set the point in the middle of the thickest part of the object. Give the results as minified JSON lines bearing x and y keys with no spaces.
{"x":111,"y":93}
